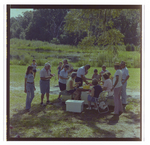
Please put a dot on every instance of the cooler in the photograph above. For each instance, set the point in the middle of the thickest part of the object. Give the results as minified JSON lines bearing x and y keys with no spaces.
{"x":74,"y":105}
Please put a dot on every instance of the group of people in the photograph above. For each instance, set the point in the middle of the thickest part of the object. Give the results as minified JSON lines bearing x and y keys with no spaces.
{"x":71,"y":80}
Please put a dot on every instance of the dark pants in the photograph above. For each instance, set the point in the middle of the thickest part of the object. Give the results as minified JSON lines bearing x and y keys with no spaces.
{"x":62,"y":86}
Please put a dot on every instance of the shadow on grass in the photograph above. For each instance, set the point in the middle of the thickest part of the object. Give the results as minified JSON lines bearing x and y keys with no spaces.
{"x":134,"y":117}
{"x":45,"y":118}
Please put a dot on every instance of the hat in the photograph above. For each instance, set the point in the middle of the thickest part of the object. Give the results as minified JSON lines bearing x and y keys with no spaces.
{"x":122,"y":62}
{"x":47,"y":64}
{"x":103,"y":66}
{"x":117,"y":64}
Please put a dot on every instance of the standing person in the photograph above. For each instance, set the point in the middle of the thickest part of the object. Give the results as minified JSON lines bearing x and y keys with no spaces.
{"x":34,"y":65}
{"x":29,"y":87}
{"x":95,"y":75}
{"x":125,"y":77}
{"x":70,"y":69}
{"x":63,"y":77}
{"x":96,"y":90}
{"x":45,"y":77}
{"x":81,"y":74}
{"x":101,"y":73}
{"x":59,"y":68}
{"x":117,"y":86}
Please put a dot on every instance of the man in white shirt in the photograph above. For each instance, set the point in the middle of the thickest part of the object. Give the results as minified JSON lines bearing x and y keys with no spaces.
{"x":125,"y":77}
{"x":81,"y":74}
{"x":45,"y":77}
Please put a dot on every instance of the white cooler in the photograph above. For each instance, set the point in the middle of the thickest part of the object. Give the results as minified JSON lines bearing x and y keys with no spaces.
{"x":74,"y":105}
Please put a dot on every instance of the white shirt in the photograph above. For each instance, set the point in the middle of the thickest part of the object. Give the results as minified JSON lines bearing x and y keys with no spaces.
{"x":108,"y":85}
{"x":118,"y":73}
{"x":64,"y":75}
{"x":125,"y":73}
{"x":30,"y":78}
{"x":81,"y":71}
{"x":44,"y":73}
{"x":102,"y":74}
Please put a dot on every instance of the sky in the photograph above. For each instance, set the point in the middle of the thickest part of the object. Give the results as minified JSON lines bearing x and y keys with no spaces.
{"x":16,"y":12}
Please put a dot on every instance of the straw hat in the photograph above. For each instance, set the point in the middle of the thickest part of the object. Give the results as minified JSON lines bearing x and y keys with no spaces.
{"x":117,"y":64}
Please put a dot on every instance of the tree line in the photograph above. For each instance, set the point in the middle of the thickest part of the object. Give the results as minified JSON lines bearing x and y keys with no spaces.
{"x":84,"y":27}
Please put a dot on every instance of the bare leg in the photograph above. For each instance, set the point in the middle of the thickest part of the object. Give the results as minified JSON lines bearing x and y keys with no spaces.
{"x":34,"y":74}
{"x":47,"y":95}
{"x":42,"y":96}
{"x":89,"y":103}
{"x":59,"y":95}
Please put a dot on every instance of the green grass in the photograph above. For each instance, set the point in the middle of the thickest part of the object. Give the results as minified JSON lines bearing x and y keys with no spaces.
{"x":17,"y":74}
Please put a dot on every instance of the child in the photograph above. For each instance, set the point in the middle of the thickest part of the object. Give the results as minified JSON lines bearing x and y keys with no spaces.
{"x":29,"y":87}
{"x":95,"y":75}
{"x":96,"y":90}
{"x":59,"y":68}
{"x":101,"y":73}
{"x":34,"y":65}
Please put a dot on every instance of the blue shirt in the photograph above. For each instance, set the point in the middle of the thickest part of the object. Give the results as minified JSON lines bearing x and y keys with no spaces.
{"x":30,"y":78}
{"x":64,"y":75}
{"x":97,"y":90}
{"x":125,"y":73}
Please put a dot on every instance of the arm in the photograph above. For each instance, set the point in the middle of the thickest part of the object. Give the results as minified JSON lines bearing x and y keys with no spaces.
{"x":104,"y":88}
{"x":71,"y":85}
{"x":43,"y":78}
{"x":92,"y":92}
{"x":126,"y":79}
{"x":117,"y":78}
{"x":34,"y":86}
{"x":63,"y":78}
{"x":93,"y":76}
{"x":100,"y":76}
{"x":84,"y":79}
{"x":25,"y":85}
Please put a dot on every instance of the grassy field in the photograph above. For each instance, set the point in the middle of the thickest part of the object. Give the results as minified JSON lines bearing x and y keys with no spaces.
{"x":17,"y":74}
{"x":53,"y":121}
{"x":23,"y":51}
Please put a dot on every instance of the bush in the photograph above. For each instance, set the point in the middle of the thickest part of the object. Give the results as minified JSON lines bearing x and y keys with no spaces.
{"x":55,"y":41}
{"x":14,"y":62}
{"x":40,"y":62}
{"x":22,"y":62}
{"x":82,"y":63}
{"x":130,"y":47}
{"x":136,"y":62}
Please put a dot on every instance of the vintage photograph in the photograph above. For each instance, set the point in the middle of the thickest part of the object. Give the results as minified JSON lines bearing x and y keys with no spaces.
{"x":74,"y":72}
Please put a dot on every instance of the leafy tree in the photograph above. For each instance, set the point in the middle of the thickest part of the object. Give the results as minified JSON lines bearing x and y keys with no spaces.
{"x":46,"y":24}
{"x":96,"y":23}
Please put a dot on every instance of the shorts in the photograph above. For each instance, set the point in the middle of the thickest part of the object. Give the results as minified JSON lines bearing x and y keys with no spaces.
{"x":71,"y":91}
{"x":62,"y":86}
{"x":45,"y":86}
{"x":91,"y":99}
{"x":34,"y":71}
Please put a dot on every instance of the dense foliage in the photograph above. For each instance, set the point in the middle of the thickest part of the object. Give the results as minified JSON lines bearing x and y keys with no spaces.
{"x":86,"y":27}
